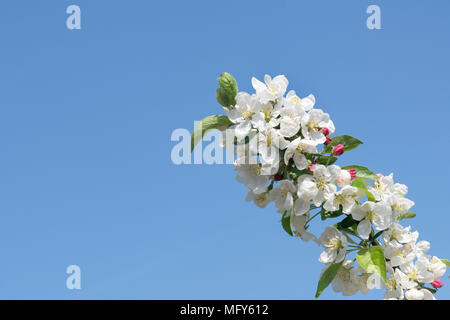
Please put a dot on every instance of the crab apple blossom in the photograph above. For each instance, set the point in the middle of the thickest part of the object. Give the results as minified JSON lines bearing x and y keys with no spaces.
{"x":335,"y":244}
{"x":272,"y":89}
{"x":245,"y":114}
{"x":437,"y":267}
{"x":282,"y":195}
{"x":414,"y":273}
{"x":290,"y":121}
{"x":399,"y":234}
{"x":312,"y":124}
{"x":300,"y":230}
{"x":343,"y":178}
{"x":261,"y":200}
{"x":319,"y":186}
{"x":303,"y":105}
{"x":399,"y":254}
{"x":250,"y":175}
{"x":394,"y":289}
{"x":344,"y":198}
{"x":418,"y":294}
{"x":371,"y":213}
{"x":297,"y":149}
{"x":347,"y":279}
{"x":285,"y":155}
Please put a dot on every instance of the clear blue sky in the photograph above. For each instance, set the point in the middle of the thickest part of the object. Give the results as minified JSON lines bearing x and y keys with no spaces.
{"x":86,"y":119}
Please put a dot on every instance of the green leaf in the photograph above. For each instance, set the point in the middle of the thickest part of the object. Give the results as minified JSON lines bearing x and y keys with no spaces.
{"x":362,"y":172}
{"x":430,"y":289}
{"x":287,"y":224}
{"x":407,"y":215}
{"x":360,"y":183}
{"x":379,"y":233}
{"x":327,"y":277}
{"x":326,"y":160}
{"x":330,"y":214}
{"x":346,"y":223}
{"x":295,"y":173}
{"x":226,"y":93}
{"x":447,"y":262}
{"x":373,"y":261}
{"x":349,"y":143}
{"x":209,"y":123}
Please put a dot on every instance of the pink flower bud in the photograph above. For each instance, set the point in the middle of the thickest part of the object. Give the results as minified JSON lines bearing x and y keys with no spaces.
{"x":310,"y":166}
{"x":437,"y":284}
{"x":352,"y":173}
{"x":380,"y":175}
{"x":326,"y":131}
{"x":327,"y":142}
{"x":338,"y":150}
{"x":277,"y":177}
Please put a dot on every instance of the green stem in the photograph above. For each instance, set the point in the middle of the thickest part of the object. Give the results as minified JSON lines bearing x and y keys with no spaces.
{"x":315,"y":215}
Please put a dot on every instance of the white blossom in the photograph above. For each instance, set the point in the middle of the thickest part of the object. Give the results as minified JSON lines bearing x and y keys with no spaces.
{"x":378,"y":214}
{"x":305,"y":104}
{"x":319,"y":186}
{"x":272,"y":89}
{"x":261,"y":200}
{"x":245,"y":114}
{"x":400,"y":234}
{"x":282,"y":195}
{"x":347,"y":280}
{"x":335,"y":244}
{"x":394,"y":289}
{"x":300,"y":230}
{"x":343,"y":178}
{"x":250,"y":175}
{"x":312,"y":124}
{"x":297,"y":149}
{"x":346,"y":197}
{"x":419,"y":294}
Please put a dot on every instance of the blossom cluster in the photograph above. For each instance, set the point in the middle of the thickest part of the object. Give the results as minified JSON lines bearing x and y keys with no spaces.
{"x":285,"y":155}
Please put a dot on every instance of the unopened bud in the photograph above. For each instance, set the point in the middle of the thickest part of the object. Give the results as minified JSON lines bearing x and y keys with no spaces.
{"x":352,"y":173}
{"x":338,"y":150}
{"x":437,"y":284}
{"x":310,"y":167}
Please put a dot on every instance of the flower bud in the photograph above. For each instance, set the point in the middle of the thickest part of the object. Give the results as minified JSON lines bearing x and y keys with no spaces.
{"x":437,"y":284}
{"x":352,"y":173}
{"x":343,"y":179}
{"x":338,"y":150}
{"x":327,"y":142}
{"x":277,"y":177}
{"x":310,"y":167}
{"x":326,"y":131}
{"x":227,"y":91}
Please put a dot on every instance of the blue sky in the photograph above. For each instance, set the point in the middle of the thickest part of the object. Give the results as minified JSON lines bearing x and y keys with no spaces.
{"x":86,"y":118}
